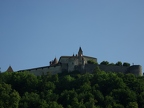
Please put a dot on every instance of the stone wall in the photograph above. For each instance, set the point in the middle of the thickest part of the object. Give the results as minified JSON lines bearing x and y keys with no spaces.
{"x":51,"y":69}
{"x":64,"y":60}
{"x":111,"y":68}
{"x":135,"y":69}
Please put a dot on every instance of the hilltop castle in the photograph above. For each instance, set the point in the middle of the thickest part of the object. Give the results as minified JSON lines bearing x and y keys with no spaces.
{"x":81,"y":63}
{"x":65,"y":63}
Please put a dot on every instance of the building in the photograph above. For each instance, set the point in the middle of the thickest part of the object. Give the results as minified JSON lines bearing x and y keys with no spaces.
{"x":81,"y":63}
{"x":65,"y":63}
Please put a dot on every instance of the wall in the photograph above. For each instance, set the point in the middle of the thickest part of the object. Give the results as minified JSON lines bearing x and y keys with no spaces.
{"x":51,"y":69}
{"x":111,"y":68}
{"x":64,"y":60}
{"x":135,"y":69}
{"x":39,"y":71}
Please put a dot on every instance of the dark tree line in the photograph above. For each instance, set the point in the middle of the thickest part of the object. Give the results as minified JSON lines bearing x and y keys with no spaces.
{"x":119,"y":63}
{"x":71,"y":90}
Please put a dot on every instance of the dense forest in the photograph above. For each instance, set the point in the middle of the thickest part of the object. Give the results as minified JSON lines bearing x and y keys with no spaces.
{"x":71,"y":90}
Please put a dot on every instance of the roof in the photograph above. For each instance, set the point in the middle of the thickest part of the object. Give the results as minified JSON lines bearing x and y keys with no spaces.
{"x":67,"y":56}
{"x":89,"y":57}
{"x":55,"y":61}
{"x":80,"y":49}
{"x":76,"y":57}
{"x":9,"y":69}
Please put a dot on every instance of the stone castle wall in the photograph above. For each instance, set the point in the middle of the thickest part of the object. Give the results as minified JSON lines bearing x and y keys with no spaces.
{"x":111,"y":68}
{"x":135,"y":69}
{"x":40,"y":71}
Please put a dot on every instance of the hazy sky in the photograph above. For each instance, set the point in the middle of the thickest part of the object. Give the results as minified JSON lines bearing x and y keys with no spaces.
{"x":33,"y":32}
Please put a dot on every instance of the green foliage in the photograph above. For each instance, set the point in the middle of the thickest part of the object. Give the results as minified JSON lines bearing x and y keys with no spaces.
{"x":8,"y":98}
{"x":104,"y":63}
{"x":112,"y":64}
{"x":71,"y":90}
{"x":119,"y":63}
{"x":126,"y":64}
{"x":132,"y":105}
{"x":91,"y":62}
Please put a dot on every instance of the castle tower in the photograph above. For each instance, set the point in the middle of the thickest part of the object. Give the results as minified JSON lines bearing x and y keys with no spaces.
{"x":80,"y":52}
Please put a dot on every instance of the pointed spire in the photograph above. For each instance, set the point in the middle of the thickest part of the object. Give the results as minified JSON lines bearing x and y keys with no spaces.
{"x":9,"y":69}
{"x":55,"y":61}
{"x":80,"y":49}
{"x":80,"y":52}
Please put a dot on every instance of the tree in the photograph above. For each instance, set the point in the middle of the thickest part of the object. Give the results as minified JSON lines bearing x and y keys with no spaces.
{"x":91,"y":62}
{"x":30,"y":100}
{"x":104,"y":63}
{"x":67,"y":97}
{"x":54,"y":105}
{"x":126,"y":64}
{"x":112,"y":64}
{"x":96,"y":69}
{"x":98,"y":96}
{"x":124,"y":96}
{"x":109,"y":101}
{"x":132,"y":105}
{"x":119,"y":63}
{"x":8,"y":98}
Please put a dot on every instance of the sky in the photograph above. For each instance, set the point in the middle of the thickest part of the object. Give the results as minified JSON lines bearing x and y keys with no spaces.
{"x":34,"y":32}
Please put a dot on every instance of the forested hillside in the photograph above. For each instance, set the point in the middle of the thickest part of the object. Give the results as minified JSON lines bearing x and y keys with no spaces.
{"x":71,"y":90}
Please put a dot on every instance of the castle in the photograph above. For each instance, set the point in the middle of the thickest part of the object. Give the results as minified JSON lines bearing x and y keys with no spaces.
{"x":81,"y":63}
{"x":65,"y":63}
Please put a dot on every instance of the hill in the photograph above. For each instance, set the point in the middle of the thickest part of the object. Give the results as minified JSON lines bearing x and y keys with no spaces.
{"x":71,"y":90}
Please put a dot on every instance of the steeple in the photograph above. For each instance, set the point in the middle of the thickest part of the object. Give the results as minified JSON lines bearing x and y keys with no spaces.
{"x":80,"y":52}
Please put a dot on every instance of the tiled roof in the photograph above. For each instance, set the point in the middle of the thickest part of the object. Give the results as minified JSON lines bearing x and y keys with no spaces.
{"x":77,"y":56}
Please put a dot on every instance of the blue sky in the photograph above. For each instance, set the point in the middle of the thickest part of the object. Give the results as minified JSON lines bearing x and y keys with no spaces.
{"x":33,"y":32}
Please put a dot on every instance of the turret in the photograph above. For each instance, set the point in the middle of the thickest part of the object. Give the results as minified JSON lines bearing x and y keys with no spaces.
{"x":53,"y":62}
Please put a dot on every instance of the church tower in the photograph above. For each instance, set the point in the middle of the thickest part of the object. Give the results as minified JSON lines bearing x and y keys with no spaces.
{"x":80,"y":52}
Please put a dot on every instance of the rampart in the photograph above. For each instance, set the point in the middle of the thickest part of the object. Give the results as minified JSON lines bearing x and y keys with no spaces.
{"x":135,"y":69}
{"x":43,"y":70}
